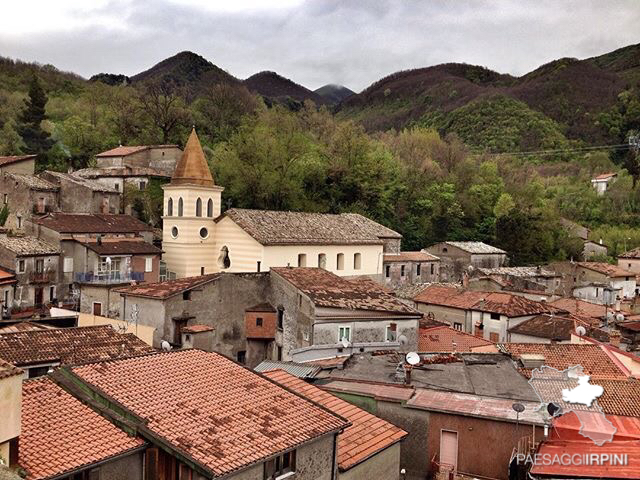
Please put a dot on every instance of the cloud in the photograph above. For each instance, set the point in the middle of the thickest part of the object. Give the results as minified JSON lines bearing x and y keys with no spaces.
{"x":314,"y":41}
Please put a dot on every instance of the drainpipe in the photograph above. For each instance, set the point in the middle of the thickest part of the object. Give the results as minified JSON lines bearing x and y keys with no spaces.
{"x":335,"y":457}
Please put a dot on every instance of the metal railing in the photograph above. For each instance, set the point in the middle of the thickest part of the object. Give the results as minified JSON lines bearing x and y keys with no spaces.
{"x":48,"y":276}
{"x":108,"y":277}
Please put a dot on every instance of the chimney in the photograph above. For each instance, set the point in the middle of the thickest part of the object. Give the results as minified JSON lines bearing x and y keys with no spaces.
{"x":614,"y":338}
{"x":465,"y":280}
{"x":407,"y":374}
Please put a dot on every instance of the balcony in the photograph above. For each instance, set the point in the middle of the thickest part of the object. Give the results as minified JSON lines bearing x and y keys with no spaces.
{"x":43,"y":277}
{"x":108,"y":278}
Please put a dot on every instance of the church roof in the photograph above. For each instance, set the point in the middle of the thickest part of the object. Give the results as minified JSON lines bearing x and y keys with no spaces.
{"x":192,"y":169}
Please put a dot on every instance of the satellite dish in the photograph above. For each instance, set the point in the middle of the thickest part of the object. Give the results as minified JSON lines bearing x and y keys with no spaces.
{"x":412,"y":358}
{"x":108,"y":260}
{"x":518,"y":407}
{"x":345,"y":343}
{"x":166,"y":346}
{"x":580,"y":330}
{"x":554,"y":409}
{"x":619,"y":317}
{"x":403,"y":340}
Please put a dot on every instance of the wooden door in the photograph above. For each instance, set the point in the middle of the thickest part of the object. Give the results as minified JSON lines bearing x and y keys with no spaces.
{"x":449,"y":449}
{"x":97,"y":308}
{"x":38,"y":297}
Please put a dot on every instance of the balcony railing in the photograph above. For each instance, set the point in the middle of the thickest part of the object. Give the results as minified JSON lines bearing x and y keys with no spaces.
{"x":42,"y":277}
{"x":108,"y":277}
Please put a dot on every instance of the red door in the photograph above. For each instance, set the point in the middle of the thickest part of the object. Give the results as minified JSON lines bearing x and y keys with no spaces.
{"x":449,"y":449}
{"x":97,"y":308}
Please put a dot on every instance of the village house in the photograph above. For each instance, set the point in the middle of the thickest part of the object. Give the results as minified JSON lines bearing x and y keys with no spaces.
{"x":35,"y":265}
{"x":10,"y":403}
{"x":410,"y":268}
{"x":449,"y":404}
{"x":369,"y":448}
{"x":97,"y":253}
{"x":593,"y":249}
{"x":36,"y":351}
{"x":597,"y":313}
{"x":457,"y":257}
{"x":20,"y":164}
{"x":617,"y":278}
{"x":522,"y":278}
{"x":198,"y":239}
{"x":160,"y":157}
{"x":7,"y":288}
{"x":488,"y":315}
{"x":26,"y":196}
{"x":81,"y":195}
{"x":274,"y":432}
{"x":550,"y":328}
{"x":630,"y":261}
{"x":603,"y":181}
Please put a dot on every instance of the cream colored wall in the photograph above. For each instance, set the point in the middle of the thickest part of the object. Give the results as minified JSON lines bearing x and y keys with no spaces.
{"x":10,"y":405}
{"x":630,"y":264}
{"x":25,"y":167}
{"x":244,"y":251}
{"x":188,"y":252}
{"x":371,"y":257}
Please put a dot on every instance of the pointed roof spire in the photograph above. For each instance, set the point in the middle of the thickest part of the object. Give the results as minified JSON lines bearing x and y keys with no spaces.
{"x":192,"y":168}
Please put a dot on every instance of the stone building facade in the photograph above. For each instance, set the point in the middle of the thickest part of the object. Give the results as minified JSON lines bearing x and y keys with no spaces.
{"x":456,"y":257}
{"x":406,"y":268}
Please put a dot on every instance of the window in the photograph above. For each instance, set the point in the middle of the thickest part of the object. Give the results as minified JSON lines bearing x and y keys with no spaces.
{"x":39,"y":265}
{"x":241,"y":356}
{"x":280,"y":318}
{"x":418,"y":268}
{"x":494,"y":337}
{"x":67,"y":265}
{"x":21,"y":266}
{"x":391,"y":334}
{"x":170,"y":207}
{"x":186,"y":295}
{"x":340,"y":261}
{"x":204,"y":233}
{"x":6,"y":198}
{"x":445,"y":250}
{"x":198,"y":208}
{"x":52,"y":293}
{"x":402,"y":270}
{"x":457,"y":326}
{"x":344,"y":333}
{"x":19,"y":218}
{"x":302,"y":259}
{"x":322,"y":260}
{"x":495,"y":316}
{"x":38,"y":371}
{"x":5,"y":300}
{"x":109,"y":268}
{"x":279,"y":466}
{"x":180,"y":207}
{"x":224,"y":261}
{"x":258,"y":266}
{"x":148,"y":264}
{"x":432,"y":268}
{"x":357,"y":261}
{"x":174,"y":231}
{"x":210,"y":208}
{"x":387,"y":271}
{"x":259,"y":322}
{"x":142,"y":185}
{"x":279,"y":352}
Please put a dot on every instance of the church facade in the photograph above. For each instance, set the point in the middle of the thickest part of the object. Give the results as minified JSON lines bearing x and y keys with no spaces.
{"x":199,"y":239}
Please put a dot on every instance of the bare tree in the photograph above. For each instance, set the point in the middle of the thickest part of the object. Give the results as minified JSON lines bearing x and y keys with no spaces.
{"x":164,"y":106}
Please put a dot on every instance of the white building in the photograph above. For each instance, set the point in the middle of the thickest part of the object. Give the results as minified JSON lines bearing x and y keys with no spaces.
{"x":601,"y":182}
{"x":199,"y":240}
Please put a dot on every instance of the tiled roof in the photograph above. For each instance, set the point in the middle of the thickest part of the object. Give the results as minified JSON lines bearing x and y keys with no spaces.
{"x":162,"y":290}
{"x":442,"y":338}
{"x":410,"y":257}
{"x":28,"y":246}
{"x":546,"y":326}
{"x":69,"y":346}
{"x":23,"y":327}
{"x":122,"y":151}
{"x":192,"y":168}
{"x":476,"y":247}
{"x":504,"y":303}
{"x":92,"y":223}
{"x":409,"y":291}
{"x":262,"y":307}
{"x":32,"y":182}
{"x":222,"y":415}
{"x":85,"y":182}
{"x":7,"y":278}
{"x":125,"y":171}
{"x":605,"y":176}
{"x":607,"y":269}
{"x":197,"y":329}
{"x":329,"y":363}
{"x":581,"y":307}
{"x":635,"y":253}
{"x":620,"y":397}
{"x":325,"y":289}
{"x":271,"y":227}
{"x":299,"y":370}
{"x":122,"y":247}
{"x":6,"y":160}
{"x":61,"y":434}
{"x":367,"y":435}
{"x":594,"y":359}
{"x":520,"y":272}
{"x":8,"y":369}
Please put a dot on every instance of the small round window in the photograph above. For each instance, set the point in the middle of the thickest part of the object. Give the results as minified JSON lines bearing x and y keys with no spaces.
{"x":174,"y":232}
{"x":204,"y":233}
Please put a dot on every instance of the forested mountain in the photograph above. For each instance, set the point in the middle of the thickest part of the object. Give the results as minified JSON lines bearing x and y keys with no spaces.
{"x":275,"y":88}
{"x":334,"y":94}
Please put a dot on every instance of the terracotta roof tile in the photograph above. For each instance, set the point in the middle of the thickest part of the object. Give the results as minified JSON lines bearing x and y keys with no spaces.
{"x":605,"y":176}
{"x":503,"y":303}
{"x":271,"y":227}
{"x":581,"y":307}
{"x":620,"y":397}
{"x":92,"y":223}
{"x":197,"y":329}
{"x":634,"y":253}
{"x":607,"y":269}
{"x":82,"y":181}
{"x":32,"y":182}
{"x":367,"y":434}
{"x":325,"y":289}
{"x":410,"y":257}
{"x":122,"y":151}
{"x":69,"y":345}
{"x":8,"y":369}
{"x":441,"y":339}
{"x":60,"y":433}
{"x":24,"y":326}
{"x":125,"y":171}
{"x":221,"y":414}
{"x":594,"y":359}
{"x":6,"y":160}
{"x":476,"y":247}
{"x":122,"y":247}
{"x":167,"y":289}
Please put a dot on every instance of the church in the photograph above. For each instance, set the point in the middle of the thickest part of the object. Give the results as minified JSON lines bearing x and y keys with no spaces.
{"x":199,"y":239}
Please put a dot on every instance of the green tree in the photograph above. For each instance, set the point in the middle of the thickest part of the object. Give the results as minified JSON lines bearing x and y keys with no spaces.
{"x":504,"y":205}
{"x":10,"y":141}
{"x":36,"y":139}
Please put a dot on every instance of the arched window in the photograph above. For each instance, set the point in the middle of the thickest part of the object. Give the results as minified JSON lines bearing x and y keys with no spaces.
{"x":340,"y":261}
{"x":224,"y":261}
{"x":357,"y":261}
{"x":198,"y":208}
{"x":210,"y":208}
{"x":170,"y":207}
{"x":180,"y":206}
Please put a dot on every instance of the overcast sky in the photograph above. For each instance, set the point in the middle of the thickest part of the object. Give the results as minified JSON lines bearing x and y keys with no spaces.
{"x":314,"y":42}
